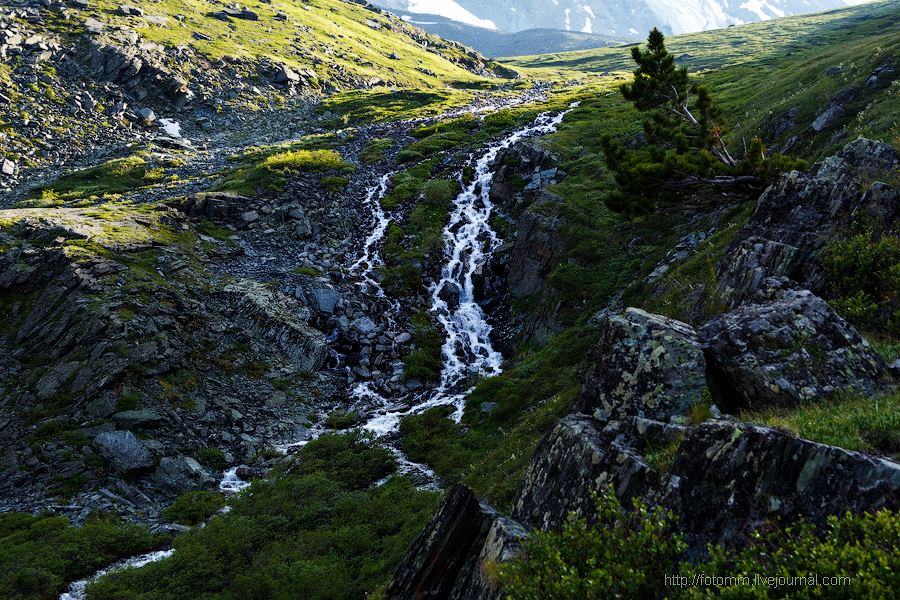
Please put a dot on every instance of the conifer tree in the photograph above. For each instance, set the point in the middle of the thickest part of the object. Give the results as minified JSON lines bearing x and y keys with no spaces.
{"x":687,"y":158}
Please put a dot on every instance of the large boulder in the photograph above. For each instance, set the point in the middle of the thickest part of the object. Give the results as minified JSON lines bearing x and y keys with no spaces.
{"x":578,"y":456}
{"x":447,"y":558}
{"x":728,"y":478}
{"x":181,"y":474}
{"x":784,"y":346}
{"x":125,"y":452}
{"x":646,"y":365}
{"x":801,"y":212}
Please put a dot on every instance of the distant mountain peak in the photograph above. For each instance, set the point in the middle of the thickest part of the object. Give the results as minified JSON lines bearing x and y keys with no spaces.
{"x":621,"y":18}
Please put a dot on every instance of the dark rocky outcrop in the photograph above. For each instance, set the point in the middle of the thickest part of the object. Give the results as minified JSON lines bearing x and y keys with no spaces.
{"x":728,"y":478}
{"x":644,"y":365}
{"x":537,"y":248}
{"x":785,"y":345}
{"x":801,"y":212}
{"x":258,"y":309}
{"x":579,"y":456}
{"x":447,"y":558}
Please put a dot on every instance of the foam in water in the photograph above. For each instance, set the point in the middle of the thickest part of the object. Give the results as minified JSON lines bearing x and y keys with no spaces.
{"x":467,"y":348}
{"x":76,"y":588}
{"x":231,"y":482}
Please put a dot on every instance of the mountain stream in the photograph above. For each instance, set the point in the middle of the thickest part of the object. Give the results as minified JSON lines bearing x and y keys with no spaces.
{"x":467,"y":350}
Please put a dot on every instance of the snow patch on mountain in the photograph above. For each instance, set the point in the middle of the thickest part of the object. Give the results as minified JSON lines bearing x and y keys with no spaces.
{"x":760,"y":6}
{"x":449,"y":9}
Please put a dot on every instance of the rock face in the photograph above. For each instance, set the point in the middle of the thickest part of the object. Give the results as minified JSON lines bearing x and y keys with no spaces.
{"x":260,"y":312}
{"x":783,"y":346}
{"x":125,"y":452}
{"x":537,"y":247}
{"x":579,"y":456}
{"x":646,"y":365}
{"x":446,"y":559}
{"x":727,"y":478}
{"x":800,"y":213}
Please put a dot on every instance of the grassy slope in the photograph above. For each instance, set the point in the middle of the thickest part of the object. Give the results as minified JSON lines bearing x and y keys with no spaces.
{"x":323,"y":35}
{"x":604,"y":253}
{"x":758,"y":71}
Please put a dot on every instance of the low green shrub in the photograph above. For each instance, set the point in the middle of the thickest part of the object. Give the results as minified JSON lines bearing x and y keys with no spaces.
{"x":637,"y":554}
{"x":865,"y":271}
{"x":211,"y":457}
{"x":334,"y":184}
{"x":374,"y":150}
{"x":342,"y":419}
{"x":625,"y":555}
{"x":192,"y":508}
{"x":40,"y":556}
{"x":315,"y":528}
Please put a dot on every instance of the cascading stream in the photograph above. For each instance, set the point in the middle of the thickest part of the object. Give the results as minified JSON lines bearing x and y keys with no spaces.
{"x":467,"y":348}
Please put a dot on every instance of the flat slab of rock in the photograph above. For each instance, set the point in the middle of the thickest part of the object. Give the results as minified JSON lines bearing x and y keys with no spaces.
{"x":125,"y":452}
{"x":137,"y":419}
{"x":646,"y":365}
{"x":784,"y":346}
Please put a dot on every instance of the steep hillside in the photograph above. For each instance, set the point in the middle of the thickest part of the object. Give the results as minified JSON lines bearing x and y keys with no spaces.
{"x":78,"y":83}
{"x":434,"y":270}
{"x":490,"y":42}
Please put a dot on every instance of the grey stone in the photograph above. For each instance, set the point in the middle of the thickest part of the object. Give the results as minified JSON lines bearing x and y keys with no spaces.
{"x":137,"y":419}
{"x":449,"y":293}
{"x":8,"y":167}
{"x":447,"y":558}
{"x":323,"y":300}
{"x":576,"y":457}
{"x":643,"y":365}
{"x":728,"y":478}
{"x":784,"y":346}
{"x":178,"y":474}
{"x":124,"y":451}
{"x":364,"y":325}
{"x":146,"y":115}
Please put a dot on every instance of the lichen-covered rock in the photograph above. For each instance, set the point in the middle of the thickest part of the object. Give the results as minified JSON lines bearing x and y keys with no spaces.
{"x":784,"y":346}
{"x":264,"y":313}
{"x":727,"y":478}
{"x":645,"y":365}
{"x":801,"y":212}
{"x":579,"y":456}
{"x":447,"y":558}
{"x":124,"y":451}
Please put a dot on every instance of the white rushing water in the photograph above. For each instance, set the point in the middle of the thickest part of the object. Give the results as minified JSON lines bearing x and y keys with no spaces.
{"x":76,"y":589}
{"x":467,"y":349}
{"x":231,"y":482}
